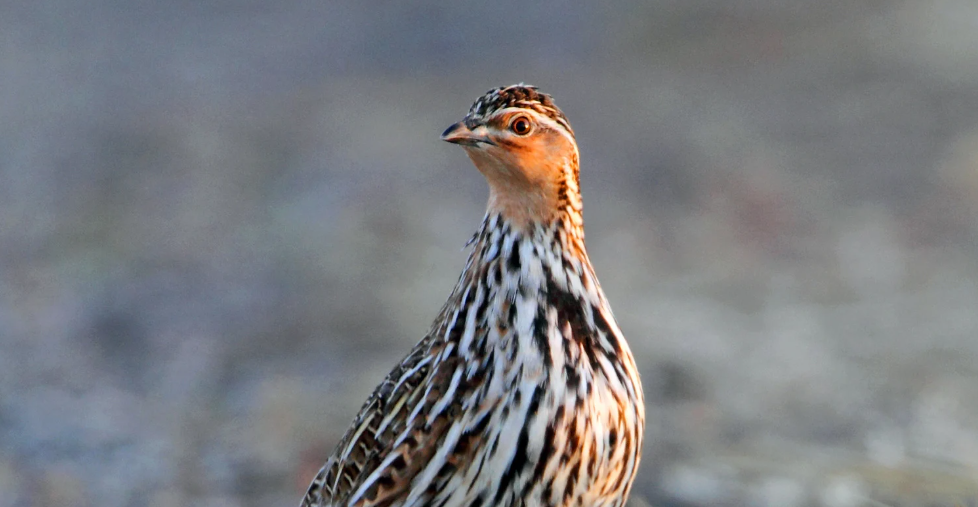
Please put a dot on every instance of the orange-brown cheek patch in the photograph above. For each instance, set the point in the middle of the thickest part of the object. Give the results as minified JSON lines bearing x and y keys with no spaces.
{"x":524,"y":178}
{"x":508,"y":144}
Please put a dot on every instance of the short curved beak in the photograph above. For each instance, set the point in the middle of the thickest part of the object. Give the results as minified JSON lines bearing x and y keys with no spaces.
{"x":460,"y":133}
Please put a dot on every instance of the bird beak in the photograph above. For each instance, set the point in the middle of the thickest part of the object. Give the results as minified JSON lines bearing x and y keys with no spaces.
{"x":460,"y":133}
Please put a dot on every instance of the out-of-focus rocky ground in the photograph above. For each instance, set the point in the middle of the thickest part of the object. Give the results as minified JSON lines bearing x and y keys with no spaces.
{"x":221,"y":223}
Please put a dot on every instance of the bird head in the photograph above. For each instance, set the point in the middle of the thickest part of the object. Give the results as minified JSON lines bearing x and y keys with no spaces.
{"x":525,"y":147}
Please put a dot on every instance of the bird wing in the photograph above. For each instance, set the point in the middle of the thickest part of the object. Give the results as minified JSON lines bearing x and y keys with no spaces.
{"x":391,"y":439}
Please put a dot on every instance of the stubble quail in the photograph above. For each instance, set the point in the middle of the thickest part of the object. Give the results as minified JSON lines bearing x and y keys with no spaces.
{"x":524,"y":391}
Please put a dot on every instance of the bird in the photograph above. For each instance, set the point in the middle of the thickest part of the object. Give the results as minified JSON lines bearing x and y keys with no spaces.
{"x":524,"y":391}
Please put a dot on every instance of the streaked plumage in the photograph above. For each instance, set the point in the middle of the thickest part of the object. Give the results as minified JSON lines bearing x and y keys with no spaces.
{"x":523,"y":392}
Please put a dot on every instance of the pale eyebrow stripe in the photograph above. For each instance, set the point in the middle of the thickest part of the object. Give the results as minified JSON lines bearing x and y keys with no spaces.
{"x":541,"y":118}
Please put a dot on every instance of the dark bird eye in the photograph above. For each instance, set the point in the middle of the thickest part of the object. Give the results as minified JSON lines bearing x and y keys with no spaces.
{"x":520,"y":126}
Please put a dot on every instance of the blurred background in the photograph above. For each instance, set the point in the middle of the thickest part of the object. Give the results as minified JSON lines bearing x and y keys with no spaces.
{"x":223,"y":222}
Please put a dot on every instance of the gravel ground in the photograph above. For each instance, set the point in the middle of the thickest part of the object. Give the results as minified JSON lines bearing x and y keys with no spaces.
{"x":221,"y":223}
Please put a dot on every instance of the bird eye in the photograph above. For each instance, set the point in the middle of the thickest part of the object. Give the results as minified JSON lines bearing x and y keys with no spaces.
{"x":520,"y":126}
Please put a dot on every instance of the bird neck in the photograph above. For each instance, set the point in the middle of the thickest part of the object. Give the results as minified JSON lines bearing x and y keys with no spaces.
{"x":523,"y":274}
{"x":513,"y":262}
{"x":555,"y":244}
{"x":533,"y":192}
{"x":530,"y":289}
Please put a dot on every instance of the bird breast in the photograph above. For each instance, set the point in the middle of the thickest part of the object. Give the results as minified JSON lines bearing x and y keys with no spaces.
{"x":556,"y":383}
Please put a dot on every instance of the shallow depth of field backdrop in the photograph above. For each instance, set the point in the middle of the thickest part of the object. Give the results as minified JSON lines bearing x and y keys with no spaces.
{"x":222,"y":223}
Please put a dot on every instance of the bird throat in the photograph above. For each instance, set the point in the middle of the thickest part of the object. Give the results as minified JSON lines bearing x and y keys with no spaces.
{"x":528,"y":196}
